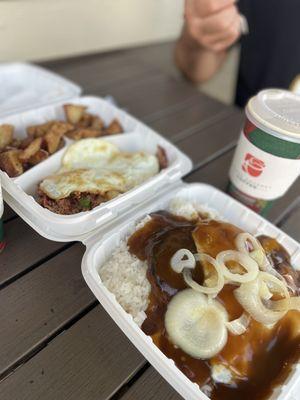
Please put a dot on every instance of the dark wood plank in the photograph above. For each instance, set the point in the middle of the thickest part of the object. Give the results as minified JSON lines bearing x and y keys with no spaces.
{"x":151,"y":386}
{"x":160,"y":55}
{"x":90,"y":361}
{"x":100,"y":70}
{"x":291,"y":225}
{"x":149,"y":97}
{"x":207,"y":143}
{"x":129,"y":80}
{"x":8,"y":213}
{"x":37,"y":305}
{"x":195,"y":114}
{"x":24,"y":249}
{"x":214,"y":173}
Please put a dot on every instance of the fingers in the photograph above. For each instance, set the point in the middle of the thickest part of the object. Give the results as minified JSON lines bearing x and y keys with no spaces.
{"x":215,"y":31}
{"x":204,"y":8}
{"x":226,"y":41}
{"x":219,"y":22}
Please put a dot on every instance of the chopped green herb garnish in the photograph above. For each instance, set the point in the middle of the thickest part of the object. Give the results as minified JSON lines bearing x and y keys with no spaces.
{"x":85,"y":202}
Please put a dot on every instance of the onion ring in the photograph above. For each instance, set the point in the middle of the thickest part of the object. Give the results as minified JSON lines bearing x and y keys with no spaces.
{"x":243,"y":259}
{"x":178,"y":263}
{"x":249,"y":296}
{"x":205,"y":289}
{"x":239,"y":326}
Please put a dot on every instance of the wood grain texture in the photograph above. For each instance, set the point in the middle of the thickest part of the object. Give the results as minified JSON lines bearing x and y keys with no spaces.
{"x":100,"y":73}
{"x":149,"y":97}
{"x":291,"y":225}
{"x":151,"y":386}
{"x":207,"y":143}
{"x":90,"y":361}
{"x":24,"y":249}
{"x":193,"y":115}
{"x":37,"y":305}
{"x":8,"y":213}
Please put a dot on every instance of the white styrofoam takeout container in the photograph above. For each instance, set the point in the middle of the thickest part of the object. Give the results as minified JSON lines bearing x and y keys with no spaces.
{"x":20,"y":192}
{"x":101,"y":246}
{"x":27,"y":87}
{"x":102,"y":228}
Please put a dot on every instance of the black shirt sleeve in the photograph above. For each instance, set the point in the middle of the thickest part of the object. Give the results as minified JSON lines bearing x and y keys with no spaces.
{"x":270,"y":53}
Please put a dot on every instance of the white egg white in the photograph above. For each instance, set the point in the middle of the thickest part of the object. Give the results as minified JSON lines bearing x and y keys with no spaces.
{"x":97,"y":166}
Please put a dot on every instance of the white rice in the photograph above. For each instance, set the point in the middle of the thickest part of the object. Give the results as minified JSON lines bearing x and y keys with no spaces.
{"x":124,"y":275}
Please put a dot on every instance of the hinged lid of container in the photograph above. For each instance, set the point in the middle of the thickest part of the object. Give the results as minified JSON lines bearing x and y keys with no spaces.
{"x":26,"y":86}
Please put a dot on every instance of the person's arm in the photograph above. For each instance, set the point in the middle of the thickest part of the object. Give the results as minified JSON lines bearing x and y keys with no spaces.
{"x":211,"y":27}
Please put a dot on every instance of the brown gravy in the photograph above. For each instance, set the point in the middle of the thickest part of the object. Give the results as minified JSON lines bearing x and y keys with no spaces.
{"x":261,"y":358}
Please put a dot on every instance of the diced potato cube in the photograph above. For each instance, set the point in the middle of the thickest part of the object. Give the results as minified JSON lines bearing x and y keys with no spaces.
{"x":30,"y":150}
{"x":38,"y":157}
{"x":97,"y":123}
{"x":6,"y":135}
{"x":79,"y":133}
{"x":114,"y":128}
{"x":74,"y":113}
{"x":26,"y":142}
{"x":10,"y":163}
{"x":85,"y":121}
{"x":39,"y":130}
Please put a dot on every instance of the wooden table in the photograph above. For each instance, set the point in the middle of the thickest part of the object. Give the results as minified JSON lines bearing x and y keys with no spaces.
{"x":57,"y":342}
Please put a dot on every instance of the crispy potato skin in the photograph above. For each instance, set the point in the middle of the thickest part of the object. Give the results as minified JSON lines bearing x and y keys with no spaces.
{"x":31,"y":149}
{"x":114,"y":128}
{"x":10,"y":163}
{"x":38,"y":157}
{"x":74,"y":113}
{"x":83,"y":133}
{"x":6,"y":135}
{"x":17,"y":154}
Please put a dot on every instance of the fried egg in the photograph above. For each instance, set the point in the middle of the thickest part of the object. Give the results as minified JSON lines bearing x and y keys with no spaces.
{"x":89,"y":153}
{"x":99,"y":167}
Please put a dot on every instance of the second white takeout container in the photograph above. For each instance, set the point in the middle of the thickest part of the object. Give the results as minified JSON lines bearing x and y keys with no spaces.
{"x":102,"y":229}
{"x":101,"y":245}
{"x":20,"y":192}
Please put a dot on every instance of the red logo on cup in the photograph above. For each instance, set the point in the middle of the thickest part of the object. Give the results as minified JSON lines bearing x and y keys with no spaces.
{"x":252,"y":165}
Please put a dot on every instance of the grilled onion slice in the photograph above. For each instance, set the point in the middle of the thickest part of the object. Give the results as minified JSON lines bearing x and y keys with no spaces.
{"x":258,"y":253}
{"x":182,"y":259}
{"x":247,"y":262}
{"x":239,"y":325}
{"x":292,"y":303}
{"x":196,"y":325}
{"x":249,"y":295}
{"x":187,"y":275}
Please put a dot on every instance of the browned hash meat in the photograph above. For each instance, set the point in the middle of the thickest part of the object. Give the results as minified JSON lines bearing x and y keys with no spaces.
{"x":73,"y":204}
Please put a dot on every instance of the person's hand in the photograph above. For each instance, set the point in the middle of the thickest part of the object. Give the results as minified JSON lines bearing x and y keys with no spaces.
{"x":213,"y":24}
